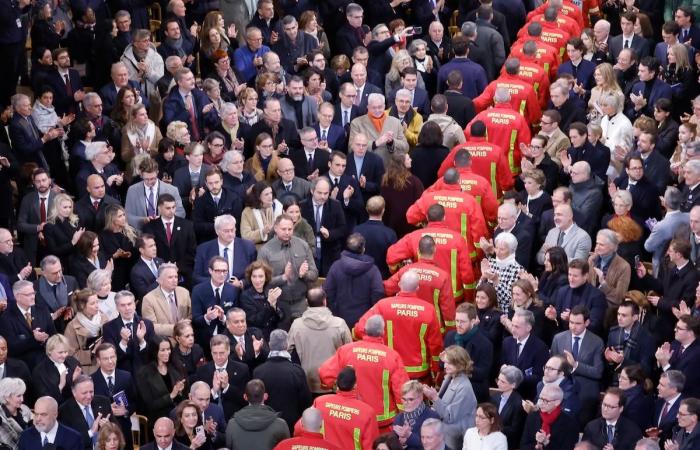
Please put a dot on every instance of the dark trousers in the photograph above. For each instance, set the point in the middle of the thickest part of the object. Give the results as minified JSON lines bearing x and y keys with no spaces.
{"x":11,"y":57}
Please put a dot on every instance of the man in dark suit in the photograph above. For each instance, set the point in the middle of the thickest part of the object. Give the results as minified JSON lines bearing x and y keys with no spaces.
{"x":378,"y":237}
{"x":345,"y":109}
{"x":628,"y":38}
{"x":54,"y":290}
{"x":683,"y":354}
{"x":91,"y":207}
{"x":420,"y":99}
{"x":27,"y":141}
{"x":193,"y":175}
{"x":331,"y":134}
{"x":525,"y":351}
{"x":563,"y":430}
{"x":14,"y":263}
{"x":144,"y":272}
{"x":611,"y":428}
{"x":225,"y":375}
{"x":365,"y":167}
{"x":459,"y":106}
{"x":645,"y":193}
{"x":211,"y":300}
{"x":129,"y":333}
{"x":85,"y":412}
{"x":45,"y":421}
{"x":174,"y":31}
{"x":350,"y":34}
{"x":346,"y":189}
{"x":670,"y":388}
{"x":120,"y":80}
{"x":641,"y":99}
{"x":310,"y":161}
{"x":288,"y":183}
{"x":14,"y":368}
{"x":66,"y":84}
{"x":215,"y":202}
{"x":286,"y":137}
{"x":186,"y":102}
{"x":689,"y":32}
{"x":629,"y":342}
{"x":565,"y":106}
{"x":213,"y":416}
{"x":326,"y":217}
{"x":25,"y":325}
{"x":358,"y":73}
{"x":164,"y":435}
{"x":238,"y":252}
{"x":249,"y":346}
{"x":99,"y":162}
{"x":509,"y":406}
{"x":105,"y":128}
{"x":109,"y":382}
{"x":512,"y":220}
{"x":175,"y":238}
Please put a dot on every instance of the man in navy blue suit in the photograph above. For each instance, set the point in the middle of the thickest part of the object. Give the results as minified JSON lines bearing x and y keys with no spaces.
{"x":525,"y":351}
{"x":27,"y":141}
{"x":189,"y":104}
{"x":213,"y":417}
{"x":683,"y":353}
{"x":346,"y":189}
{"x":211,"y":300}
{"x":47,"y":430}
{"x":358,"y":73}
{"x":215,"y":202}
{"x":109,"y":382}
{"x":345,"y":109}
{"x":670,"y":388}
{"x":330,"y":134}
{"x":419,"y":96}
{"x":120,"y":80}
{"x":144,"y":273}
{"x":66,"y":84}
{"x":164,"y":435}
{"x":689,"y":32}
{"x":365,"y":167}
{"x":238,"y":252}
{"x":378,"y":237}
{"x":129,"y":333}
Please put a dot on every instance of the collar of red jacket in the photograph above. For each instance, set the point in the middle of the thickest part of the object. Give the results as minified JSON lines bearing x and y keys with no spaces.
{"x":310,"y":434}
{"x":376,"y":339}
{"x":475,"y":139}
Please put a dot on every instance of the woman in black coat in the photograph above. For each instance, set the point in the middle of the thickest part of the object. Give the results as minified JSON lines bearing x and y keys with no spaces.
{"x":87,"y":257}
{"x":118,"y":240}
{"x":259,"y":301}
{"x":61,"y":231}
{"x":46,"y":376}
{"x":187,"y":355}
{"x":512,"y":415}
{"x":45,"y":32}
{"x":555,"y":275}
{"x":639,"y":405}
{"x":428,"y":154}
{"x":160,"y":384}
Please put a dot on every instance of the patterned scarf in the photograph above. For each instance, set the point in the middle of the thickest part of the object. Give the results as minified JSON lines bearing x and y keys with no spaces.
{"x":410,"y":417}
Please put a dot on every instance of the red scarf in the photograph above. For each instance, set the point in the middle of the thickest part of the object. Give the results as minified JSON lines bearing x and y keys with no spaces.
{"x":549,"y":418}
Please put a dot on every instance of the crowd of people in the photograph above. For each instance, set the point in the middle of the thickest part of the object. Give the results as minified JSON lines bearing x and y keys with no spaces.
{"x":371,"y":225}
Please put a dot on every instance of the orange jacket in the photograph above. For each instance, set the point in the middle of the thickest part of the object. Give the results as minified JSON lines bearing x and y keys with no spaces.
{"x":412,"y":329}
{"x":522,"y":97}
{"x":533,"y":73}
{"x":348,"y":422}
{"x":488,"y":161}
{"x":567,"y":23}
{"x":434,"y":288}
{"x":547,"y":55}
{"x":307,"y":440}
{"x":568,"y":8}
{"x":552,"y":34}
{"x":462,"y":212}
{"x":451,"y":255}
{"x":479,"y":187}
{"x":506,"y":129}
{"x":380,"y":375}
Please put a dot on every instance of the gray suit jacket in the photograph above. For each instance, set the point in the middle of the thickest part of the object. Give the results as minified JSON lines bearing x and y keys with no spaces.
{"x":662,"y":234}
{"x":28,"y":217}
{"x":136,"y":202}
{"x":590,"y":360}
{"x":309,"y":111}
{"x":300,"y":187}
{"x":576,"y":244}
{"x":457,"y":409}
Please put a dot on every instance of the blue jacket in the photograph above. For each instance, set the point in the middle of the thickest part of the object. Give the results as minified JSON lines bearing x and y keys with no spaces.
{"x":473,"y":76}
{"x":586,"y":294}
{"x":658,"y":90}
{"x":244,"y":56}
{"x":174,"y":109}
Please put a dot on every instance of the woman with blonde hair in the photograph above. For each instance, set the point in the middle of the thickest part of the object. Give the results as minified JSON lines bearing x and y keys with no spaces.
{"x":392,"y":80}
{"x":627,"y":227}
{"x":524,"y":296}
{"x":111,"y":437}
{"x":84,"y":332}
{"x":178,"y":132}
{"x":118,"y":239}
{"x":258,"y":217}
{"x":140,"y":139}
{"x":455,"y":402}
{"x":605,"y":84}
{"x":61,"y":230}
{"x":681,"y":76}
{"x":263,"y":164}
{"x":100,"y":281}
{"x":54,"y":375}
{"x":407,"y":423}
{"x":248,"y":102}
{"x":212,"y":88}
{"x":15,"y":416}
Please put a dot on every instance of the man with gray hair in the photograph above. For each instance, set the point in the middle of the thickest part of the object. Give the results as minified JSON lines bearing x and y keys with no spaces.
{"x":389,"y":139}
{"x":293,"y":45}
{"x":350,"y":33}
{"x":407,"y":115}
{"x":691,"y":189}
{"x":168,"y":303}
{"x":86,"y":412}
{"x":287,"y":389}
{"x":27,"y":141}
{"x":610,"y":272}
{"x":54,"y":289}
{"x":560,"y":431}
{"x":567,"y":235}
{"x":663,"y":231}
{"x":120,"y":80}
{"x":372,"y":360}
{"x":432,"y":435}
{"x":47,"y":430}
{"x":100,"y":155}
{"x":310,"y":435}
{"x":144,"y":63}
{"x":173,"y":63}
{"x":525,"y":351}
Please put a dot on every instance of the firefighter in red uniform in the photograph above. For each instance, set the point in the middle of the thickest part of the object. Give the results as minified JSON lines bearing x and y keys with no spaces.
{"x":380,"y":372}
{"x":532,"y":72}
{"x":566,"y":23}
{"x":504,"y":128}
{"x":522,"y":94}
{"x":412,"y":328}
{"x":308,"y":433}
{"x":462,"y":212}
{"x":552,"y":33}
{"x":567,"y":8}
{"x":348,"y":422}
{"x":547,"y":55}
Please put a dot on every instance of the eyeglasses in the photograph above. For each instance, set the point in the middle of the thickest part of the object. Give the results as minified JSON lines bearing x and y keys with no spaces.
{"x":607,"y":406}
{"x":219,"y":270}
{"x":551,"y":368}
{"x":677,"y":328}
{"x":547,"y":400}
{"x":542,"y":122}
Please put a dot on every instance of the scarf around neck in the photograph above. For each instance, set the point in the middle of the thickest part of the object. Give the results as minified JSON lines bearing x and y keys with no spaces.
{"x":91,"y":325}
{"x":548,"y":418}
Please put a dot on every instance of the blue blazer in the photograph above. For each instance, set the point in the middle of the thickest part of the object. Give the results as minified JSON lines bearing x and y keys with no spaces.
{"x":668,"y":421}
{"x":337,"y":138}
{"x":5,"y":282}
{"x":372,"y":169}
{"x":20,"y":340}
{"x":688,"y":363}
{"x":66,"y":439}
{"x":584,"y":73}
{"x":174,"y":109}
{"x":133,"y":358}
{"x":660,"y":89}
{"x":244,"y":253}
{"x":141,"y":279}
{"x":203,"y":298}
{"x":109,"y":96}
{"x":421,"y":100}
{"x":531,"y":361}
{"x":27,"y":146}
{"x":378,"y":239}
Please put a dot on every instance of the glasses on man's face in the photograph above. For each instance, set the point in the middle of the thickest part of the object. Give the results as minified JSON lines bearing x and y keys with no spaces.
{"x":609,"y":406}
{"x":219,"y":270}
{"x":547,"y":400}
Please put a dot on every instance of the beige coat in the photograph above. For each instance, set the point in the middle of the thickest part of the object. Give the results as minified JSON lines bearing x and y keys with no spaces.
{"x":363,"y":124}
{"x":616,"y":282}
{"x":156,"y":309}
{"x":558,"y":142}
{"x":452,"y":133}
{"x":252,"y":225}
{"x":77,"y":336}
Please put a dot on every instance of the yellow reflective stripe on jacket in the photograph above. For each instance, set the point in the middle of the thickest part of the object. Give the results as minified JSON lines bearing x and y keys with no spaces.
{"x":523,"y":105}
{"x":494,"y":182}
{"x":454,"y":270}
{"x":436,"y":303}
{"x":387,"y":413}
{"x":423,"y":352}
{"x":357,"y":438}
{"x":511,"y":152}
{"x":390,"y":333}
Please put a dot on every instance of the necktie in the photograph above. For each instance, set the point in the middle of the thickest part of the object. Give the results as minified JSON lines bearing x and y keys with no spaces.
{"x":54,"y":288}
{"x":346,"y":119}
{"x":168,"y":232}
{"x":685,"y":34}
{"x":323,"y":135}
{"x":194,"y":179}
{"x":287,"y":187}
{"x":154,"y":268}
{"x":173,"y":307}
{"x":520,"y":348}
{"x":90,"y":420}
{"x":664,"y":412}
{"x":611,"y":433}
{"x":575,"y":349}
{"x":150,"y":205}
{"x":69,"y":88}
{"x":217,"y":295}
{"x":96,"y":205}
{"x":193,"y":117}
{"x":28,"y":318}
{"x":216,"y":200}
{"x":627,"y":43}
{"x":560,"y":238}
{"x":317,"y":218}
{"x":241,"y":340}
{"x":310,"y":163}
{"x":2,"y":373}
{"x":45,"y":442}
{"x":42,"y":209}
{"x":227,"y":261}
{"x":110,"y":384}
{"x":335,"y":182}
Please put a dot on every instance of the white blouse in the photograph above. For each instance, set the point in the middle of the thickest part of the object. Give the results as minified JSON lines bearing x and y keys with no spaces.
{"x":494,"y":441}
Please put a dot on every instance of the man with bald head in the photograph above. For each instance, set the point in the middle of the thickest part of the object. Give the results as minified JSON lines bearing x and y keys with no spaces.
{"x":164,"y":435}
{"x":47,"y":429}
{"x":567,"y":235}
{"x":358,"y":73}
{"x":14,"y":262}
{"x":415,"y":321}
{"x":310,"y":434}
{"x":288,"y":183}
{"x":91,"y":206}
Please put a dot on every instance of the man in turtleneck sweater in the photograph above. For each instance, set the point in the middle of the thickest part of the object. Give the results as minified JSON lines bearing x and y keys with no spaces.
{"x":302,"y":108}
{"x":647,"y":90}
